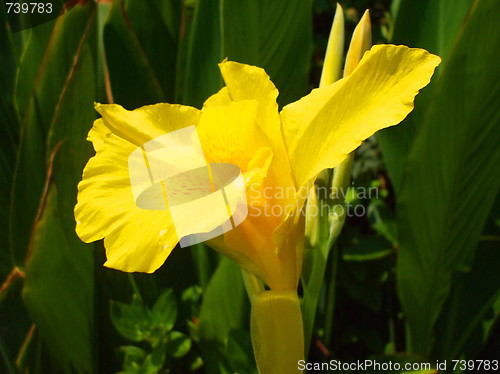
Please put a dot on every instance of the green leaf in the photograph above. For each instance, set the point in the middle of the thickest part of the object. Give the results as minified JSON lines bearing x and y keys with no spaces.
{"x":240,"y":352}
{"x":452,"y":175}
{"x":178,"y":344}
{"x":134,"y":80}
{"x":164,"y":311}
{"x":268,"y":34}
{"x":203,"y":52}
{"x":133,"y":321}
{"x":225,"y":307}
{"x":59,"y":290}
{"x":155,"y":360}
{"x":469,"y":314}
{"x":9,"y":124}
{"x":133,"y":357}
{"x":6,"y":362}
{"x":274,"y":35}
{"x":435,"y":26}
{"x":46,"y":97}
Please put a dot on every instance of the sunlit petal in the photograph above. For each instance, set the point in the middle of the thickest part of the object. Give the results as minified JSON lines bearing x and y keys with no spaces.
{"x":334,"y":120}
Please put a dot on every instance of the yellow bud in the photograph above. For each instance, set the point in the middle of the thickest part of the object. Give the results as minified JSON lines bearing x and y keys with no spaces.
{"x":334,"y":50}
{"x":312,"y":217}
{"x":361,"y":42}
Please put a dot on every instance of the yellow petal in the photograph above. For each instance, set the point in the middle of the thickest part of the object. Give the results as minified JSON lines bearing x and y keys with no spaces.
{"x":252,"y":243}
{"x":148,"y":122}
{"x":245,"y":82}
{"x":142,"y":242}
{"x":322,"y":128}
{"x":98,"y":134}
{"x":136,"y":239}
{"x":229,"y":133}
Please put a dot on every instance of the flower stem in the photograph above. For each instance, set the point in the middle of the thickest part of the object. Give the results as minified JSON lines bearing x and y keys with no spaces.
{"x":253,"y":284}
{"x":277,"y":332}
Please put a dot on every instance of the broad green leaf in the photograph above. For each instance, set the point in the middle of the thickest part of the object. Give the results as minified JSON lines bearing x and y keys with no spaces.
{"x":8,"y":59}
{"x":8,"y":153}
{"x":201,"y":75}
{"x":178,"y":344}
{"x":452,"y":176}
{"x":240,"y":352}
{"x":133,"y":321}
{"x":224,"y":307}
{"x":153,"y":24}
{"x":31,"y":64}
{"x":7,"y":364}
{"x":15,"y":322}
{"x":274,"y":35}
{"x":58,"y":291}
{"x":134,"y":80}
{"x":469,"y":314}
{"x":435,"y":26}
{"x":54,"y":75}
{"x":164,"y":311}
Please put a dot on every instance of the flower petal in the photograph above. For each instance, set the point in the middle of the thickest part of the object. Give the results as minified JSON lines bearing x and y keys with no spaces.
{"x":322,"y":128}
{"x":148,"y":122}
{"x":98,"y":134}
{"x":104,"y":193}
{"x":229,"y":133}
{"x":136,"y":239}
{"x":142,"y":242}
{"x":246,"y":82}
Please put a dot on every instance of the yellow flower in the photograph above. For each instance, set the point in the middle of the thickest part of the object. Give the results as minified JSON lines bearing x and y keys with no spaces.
{"x":279,"y":153}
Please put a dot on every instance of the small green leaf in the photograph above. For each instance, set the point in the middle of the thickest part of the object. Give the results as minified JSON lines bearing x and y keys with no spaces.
{"x":155,"y":360}
{"x":132,"y":321}
{"x":133,"y":358}
{"x":178,"y":344}
{"x":165,"y":310}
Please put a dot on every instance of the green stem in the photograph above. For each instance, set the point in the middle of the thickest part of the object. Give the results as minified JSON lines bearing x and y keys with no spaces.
{"x":330,"y":306}
{"x":134,"y":285}
{"x":340,"y":184}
